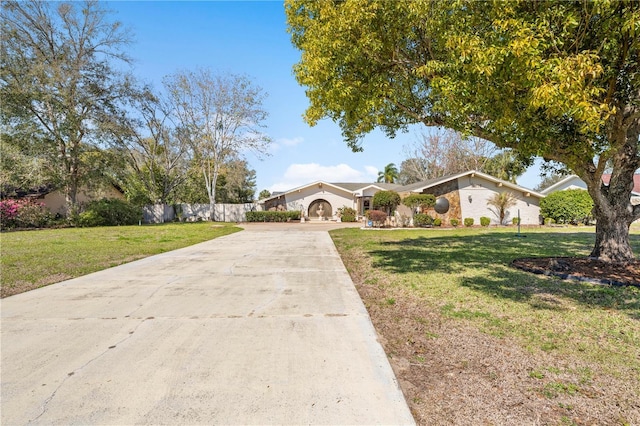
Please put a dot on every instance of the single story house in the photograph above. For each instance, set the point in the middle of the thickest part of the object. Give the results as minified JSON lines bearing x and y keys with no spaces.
{"x":574,"y":182}
{"x":54,"y":199}
{"x":466,"y":195}
{"x":321,"y":200}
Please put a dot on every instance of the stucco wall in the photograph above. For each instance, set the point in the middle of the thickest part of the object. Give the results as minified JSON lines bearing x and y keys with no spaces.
{"x":57,"y":204}
{"x":475,"y":192}
{"x":302,"y":199}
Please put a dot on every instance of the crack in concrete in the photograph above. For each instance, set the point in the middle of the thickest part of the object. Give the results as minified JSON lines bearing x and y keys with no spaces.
{"x":77,"y":370}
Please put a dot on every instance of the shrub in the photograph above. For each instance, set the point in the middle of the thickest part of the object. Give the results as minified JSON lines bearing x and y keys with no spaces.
{"x":468,"y":221}
{"x":387,"y":200}
{"x":109,"y":212}
{"x":266,"y":216}
{"x":485,"y":221}
{"x":347,"y":214}
{"x":455,"y":222}
{"x":423,"y":201}
{"x":33,"y":215}
{"x":23,"y":214}
{"x":377,"y":217}
{"x":548,"y":221}
{"x":571,"y":206}
{"x":437,"y":222}
{"x":8,"y":213}
{"x":515,"y":221}
{"x":420,"y":219}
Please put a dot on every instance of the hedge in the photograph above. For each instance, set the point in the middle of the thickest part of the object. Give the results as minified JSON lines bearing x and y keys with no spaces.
{"x":571,"y":206}
{"x":273,"y":216}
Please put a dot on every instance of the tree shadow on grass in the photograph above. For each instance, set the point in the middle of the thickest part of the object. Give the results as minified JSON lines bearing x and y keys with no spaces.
{"x":455,"y":254}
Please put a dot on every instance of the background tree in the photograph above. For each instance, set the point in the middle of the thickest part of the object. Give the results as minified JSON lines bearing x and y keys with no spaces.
{"x":59,"y":81}
{"x":412,"y":170}
{"x":222,"y":115}
{"x":237,"y":183}
{"x":156,"y":150}
{"x":20,"y":168}
{"x":547,"y":181}
{"x":445,"y":153}
{"x":389,"y":174}
{"x":500,"y":203}
{"x":558,"y":80}
{"x":264,"y":194}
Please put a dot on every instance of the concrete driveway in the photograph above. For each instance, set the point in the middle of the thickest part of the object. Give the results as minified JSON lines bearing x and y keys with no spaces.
{"x":260,"y":327}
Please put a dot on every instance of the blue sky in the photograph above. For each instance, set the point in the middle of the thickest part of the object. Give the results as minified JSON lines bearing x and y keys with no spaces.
{"x":250,"y":38}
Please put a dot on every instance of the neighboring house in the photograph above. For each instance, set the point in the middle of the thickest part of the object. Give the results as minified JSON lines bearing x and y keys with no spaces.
{"x":574,"y":182}
{"x":467,"y":194}
{"x":55,"y":201}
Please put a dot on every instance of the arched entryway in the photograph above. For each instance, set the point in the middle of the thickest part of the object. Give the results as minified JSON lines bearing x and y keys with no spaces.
{"x":320,"y":209}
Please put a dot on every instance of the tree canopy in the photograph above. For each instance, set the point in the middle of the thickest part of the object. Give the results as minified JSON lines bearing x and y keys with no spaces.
{"x":59,"y":82}
{"x":555,"y":79}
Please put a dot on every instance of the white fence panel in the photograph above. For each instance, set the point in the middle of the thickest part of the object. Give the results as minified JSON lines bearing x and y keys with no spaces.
{"x":159,"y":213}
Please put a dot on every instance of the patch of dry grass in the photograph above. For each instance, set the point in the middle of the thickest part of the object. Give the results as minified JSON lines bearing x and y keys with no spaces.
{"x":474,"y":341}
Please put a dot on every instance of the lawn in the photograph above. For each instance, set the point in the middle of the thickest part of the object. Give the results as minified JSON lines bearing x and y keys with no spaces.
{"x":32,"y":259}
{"x":475,"y":341}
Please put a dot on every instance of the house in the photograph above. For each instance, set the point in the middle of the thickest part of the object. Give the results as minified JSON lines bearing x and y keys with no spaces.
{"x":574,"y":182}
{"x":55,"y":201}
{"x":320,"y":200}
{"x":466,"y":195}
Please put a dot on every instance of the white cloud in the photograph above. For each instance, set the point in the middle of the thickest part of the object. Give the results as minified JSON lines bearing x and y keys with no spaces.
{"x":290,"y":141}
{"x":372,"y":171}
{"x":285,"y":142}
{"x":301,"y":174}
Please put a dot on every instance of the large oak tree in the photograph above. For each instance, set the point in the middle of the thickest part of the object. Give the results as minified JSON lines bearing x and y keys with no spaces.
{"x":554,"y":79}
{"x":58,"y":82}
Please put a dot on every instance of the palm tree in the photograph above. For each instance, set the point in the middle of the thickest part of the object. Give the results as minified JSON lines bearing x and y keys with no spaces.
{"x":389,"y":175}
{"x":501,"y":202}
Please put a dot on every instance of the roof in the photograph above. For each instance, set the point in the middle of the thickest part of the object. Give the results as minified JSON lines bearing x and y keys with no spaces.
{"x":355,"y":186}
{"x":421,"y":186}
{"x":636,"y":182}
{"x":351,"y":187}
{"x":605,"y":179}
{"x":358,"y":187}
{"x":318,"y":183}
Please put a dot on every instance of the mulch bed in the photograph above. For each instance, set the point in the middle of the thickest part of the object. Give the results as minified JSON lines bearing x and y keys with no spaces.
{"x":583,"y":269}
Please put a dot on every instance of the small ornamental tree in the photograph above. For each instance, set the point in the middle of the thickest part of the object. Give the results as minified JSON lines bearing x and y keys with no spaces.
{"x":500,"y":204}
{"x":386,"y":200}
{"x":424,"y":201}
{"x":571,"y":206}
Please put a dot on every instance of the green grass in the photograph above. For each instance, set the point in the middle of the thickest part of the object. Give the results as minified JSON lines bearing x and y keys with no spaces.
{"x":32,"y":259}
{"x":465,"y":275}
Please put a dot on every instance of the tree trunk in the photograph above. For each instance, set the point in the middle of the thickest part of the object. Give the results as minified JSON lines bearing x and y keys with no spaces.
{"x":612,"y":240}
{"x":614,"y":214}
